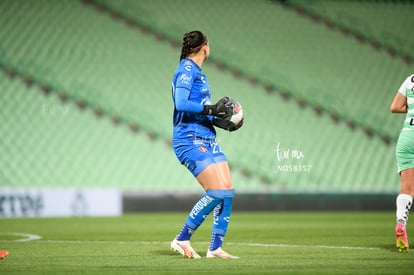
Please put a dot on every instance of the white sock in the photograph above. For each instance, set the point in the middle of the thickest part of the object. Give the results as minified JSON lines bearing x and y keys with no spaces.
{"x":403,"y":203}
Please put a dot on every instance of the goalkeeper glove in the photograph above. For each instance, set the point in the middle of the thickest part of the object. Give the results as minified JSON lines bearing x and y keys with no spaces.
{"x":220,"y":109}
{"x":227,"y":124}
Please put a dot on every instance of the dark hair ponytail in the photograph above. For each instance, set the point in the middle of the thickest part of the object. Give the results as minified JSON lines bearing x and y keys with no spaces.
{"x":192,"y":43}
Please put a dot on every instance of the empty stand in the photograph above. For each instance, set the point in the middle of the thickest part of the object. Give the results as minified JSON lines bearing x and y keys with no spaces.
{"x":112,"y":61}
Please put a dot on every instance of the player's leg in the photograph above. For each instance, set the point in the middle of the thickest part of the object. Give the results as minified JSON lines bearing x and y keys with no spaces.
{"x":403,"y":204}
{"x":200,"y":161}
{"x":212,"y":180}
{"x":217,"y":177}
{"x":196,"y":217}
{"x":209,"y":165}
{"x":221,"y":218}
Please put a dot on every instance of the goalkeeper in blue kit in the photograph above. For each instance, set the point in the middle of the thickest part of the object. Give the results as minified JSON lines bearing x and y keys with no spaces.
{"x":195,"y":145}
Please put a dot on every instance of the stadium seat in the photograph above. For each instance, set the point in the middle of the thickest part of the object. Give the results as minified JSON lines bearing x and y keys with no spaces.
{"x":88,"y":51}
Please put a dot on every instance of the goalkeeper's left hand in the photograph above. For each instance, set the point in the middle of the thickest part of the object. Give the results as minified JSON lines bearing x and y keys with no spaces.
{"x":226,"y":124}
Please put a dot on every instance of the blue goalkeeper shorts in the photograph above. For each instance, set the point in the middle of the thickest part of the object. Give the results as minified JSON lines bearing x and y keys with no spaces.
{"x":197,"y":153}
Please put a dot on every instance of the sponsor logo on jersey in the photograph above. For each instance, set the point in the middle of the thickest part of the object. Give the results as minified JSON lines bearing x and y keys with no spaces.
{"x":188,"y":65}
{"x":202,"y":149}
{"x":185,"y":79}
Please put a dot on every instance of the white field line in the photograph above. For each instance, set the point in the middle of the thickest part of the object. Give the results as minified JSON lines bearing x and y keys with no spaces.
{"x":305,"y":246}
{"x":21,"y":237}
{"x":25,"y":237}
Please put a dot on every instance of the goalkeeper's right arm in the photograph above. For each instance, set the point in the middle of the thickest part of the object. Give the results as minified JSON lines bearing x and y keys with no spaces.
{"x":182,"y":103}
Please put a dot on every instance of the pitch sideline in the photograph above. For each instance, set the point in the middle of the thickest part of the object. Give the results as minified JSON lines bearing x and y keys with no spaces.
{"x":26,"y":237}
{"x":227,"y":243}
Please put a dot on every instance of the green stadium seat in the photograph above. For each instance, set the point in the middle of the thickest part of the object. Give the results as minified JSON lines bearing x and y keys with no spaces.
{"x":125,"y":72}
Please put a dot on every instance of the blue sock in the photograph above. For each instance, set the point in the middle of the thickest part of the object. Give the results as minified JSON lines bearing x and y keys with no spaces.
{"x":198,"y":214}
{"x":221,"y":216}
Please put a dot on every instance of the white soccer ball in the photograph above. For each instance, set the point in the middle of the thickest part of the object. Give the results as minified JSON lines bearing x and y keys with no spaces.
{"x":237,"y":116}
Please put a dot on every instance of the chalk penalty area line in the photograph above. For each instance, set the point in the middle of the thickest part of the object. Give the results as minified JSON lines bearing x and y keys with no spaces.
{"x":26,"y":237}
{"x":19,"y":237}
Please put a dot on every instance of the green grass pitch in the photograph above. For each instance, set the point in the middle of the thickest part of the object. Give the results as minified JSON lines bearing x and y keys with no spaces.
{"x":267,"y":242}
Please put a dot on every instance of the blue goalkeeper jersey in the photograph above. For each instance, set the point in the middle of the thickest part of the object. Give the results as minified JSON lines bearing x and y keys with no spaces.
{"x":190,"y":92}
